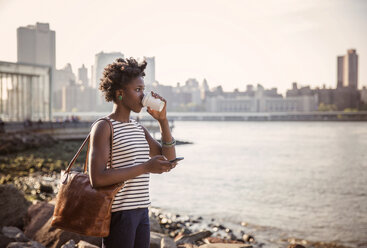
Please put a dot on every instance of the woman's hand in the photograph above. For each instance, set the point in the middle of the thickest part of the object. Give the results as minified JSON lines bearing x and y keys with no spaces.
{"x":159,"y":116}
{"x":159,"y":164}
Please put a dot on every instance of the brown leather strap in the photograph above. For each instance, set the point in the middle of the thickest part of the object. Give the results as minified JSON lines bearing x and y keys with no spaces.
{"x":86,"y":158}
{"x":88,"y":140}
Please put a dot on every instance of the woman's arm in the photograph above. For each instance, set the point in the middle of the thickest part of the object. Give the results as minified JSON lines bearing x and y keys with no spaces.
{"x":100,"y":143}
{"x":155,"y":147}
{"x":168,"y":152}
{"x":161,"y":117}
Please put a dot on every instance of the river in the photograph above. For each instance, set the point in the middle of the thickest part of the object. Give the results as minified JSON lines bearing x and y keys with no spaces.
{"x":288,"y":179}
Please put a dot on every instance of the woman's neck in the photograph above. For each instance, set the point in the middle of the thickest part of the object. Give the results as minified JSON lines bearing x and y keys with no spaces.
{"x":120,"y":113}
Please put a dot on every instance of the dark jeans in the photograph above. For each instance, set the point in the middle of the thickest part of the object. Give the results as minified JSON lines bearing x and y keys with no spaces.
{"x":129,"y":229}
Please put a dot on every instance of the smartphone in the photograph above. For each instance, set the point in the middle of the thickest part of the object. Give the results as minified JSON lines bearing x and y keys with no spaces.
{"x":176,"y":159}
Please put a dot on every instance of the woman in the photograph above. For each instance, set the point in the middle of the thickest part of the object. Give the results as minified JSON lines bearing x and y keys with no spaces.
{"x":135,"y":153}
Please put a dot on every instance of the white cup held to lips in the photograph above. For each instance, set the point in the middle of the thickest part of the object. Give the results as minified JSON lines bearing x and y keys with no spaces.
{"x":152,"y":102}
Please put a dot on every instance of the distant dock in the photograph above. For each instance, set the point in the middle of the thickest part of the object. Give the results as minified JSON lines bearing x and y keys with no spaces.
{"x":280,"y":116}
{"x":236,"y":116}
{"x":69,"y":130}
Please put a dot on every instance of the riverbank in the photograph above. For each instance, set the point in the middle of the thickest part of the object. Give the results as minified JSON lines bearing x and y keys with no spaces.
{"x":36,"y":172}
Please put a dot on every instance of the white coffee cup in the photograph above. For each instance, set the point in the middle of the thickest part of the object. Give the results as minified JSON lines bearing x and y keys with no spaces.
{"x":152,"y":102}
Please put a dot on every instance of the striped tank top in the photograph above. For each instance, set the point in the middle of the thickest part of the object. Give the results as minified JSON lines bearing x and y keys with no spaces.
{"x":130,"y":148}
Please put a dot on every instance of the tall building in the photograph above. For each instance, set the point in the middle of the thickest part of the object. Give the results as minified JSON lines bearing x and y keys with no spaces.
{"x":83,"y":75}
{"x":340,"y":70}
{"x":62,"y":78}
{"x":36,"y":45}
{"x":149,"y":78}
{"x":101,"y":61}
{"x":347,"y":67}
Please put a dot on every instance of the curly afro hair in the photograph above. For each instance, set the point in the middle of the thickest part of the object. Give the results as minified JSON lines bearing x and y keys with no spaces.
{"x":118,"y":74}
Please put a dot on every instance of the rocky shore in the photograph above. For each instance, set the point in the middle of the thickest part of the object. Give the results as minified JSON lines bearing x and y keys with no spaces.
{"x":28,"y":224}
{"x":28,"y":185}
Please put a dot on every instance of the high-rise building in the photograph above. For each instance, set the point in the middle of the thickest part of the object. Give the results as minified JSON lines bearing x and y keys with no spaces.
{"x":83,"y":75}
{"x":340,"y":70}
{"x":347,"y":67}
{"x":101,"y":61}
{"x":62,"y":78}
{"x":36,"y":45}
{"x":149,"y":78}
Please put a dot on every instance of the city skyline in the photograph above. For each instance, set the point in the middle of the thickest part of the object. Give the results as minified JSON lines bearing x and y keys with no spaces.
{"x":227,"y":49}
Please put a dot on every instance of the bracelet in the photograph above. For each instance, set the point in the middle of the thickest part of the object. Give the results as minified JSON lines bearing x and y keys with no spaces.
{"x":169,"y":144}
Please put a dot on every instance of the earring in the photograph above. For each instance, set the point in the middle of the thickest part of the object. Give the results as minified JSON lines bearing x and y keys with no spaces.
{"x":120,"y":98}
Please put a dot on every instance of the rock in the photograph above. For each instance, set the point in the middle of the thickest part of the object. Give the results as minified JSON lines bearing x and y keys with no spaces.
{"x":30,"y":244}
{"x":69,"y":244}
{"x":13,"y":206}
{"x":185,"y":231}
{"x":46,"y":189}
{"x":154,"y":224}
{"x":155,"y":239}
{"x":18,"y":141}
{"x":14,"y":233}
{"x":192,"y":238}
{"x":232,"y":236}
{"x":4,"y":240}
{"x":225,"y":245}
{"x":188,"y":246}
{"x":248,"y":238}
{"x":215,"y":240}
{"x":295,"y":246}
{"x":37,"y":215}
{"x":84,"y":244}
{"x":52,"y":237}
{"x":221,"y":227}
{"x":167,"y":242}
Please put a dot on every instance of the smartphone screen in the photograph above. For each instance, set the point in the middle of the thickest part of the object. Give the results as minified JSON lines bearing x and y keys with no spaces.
{"x":176,"y":159}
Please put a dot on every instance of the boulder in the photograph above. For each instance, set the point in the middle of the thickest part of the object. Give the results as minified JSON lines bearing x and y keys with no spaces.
{"x":212,"y":240}
{"x":154,"y":223}
{"x":248,"y":238}
{"x":30,"y":244}
{"x":168,"y":242}
{"x":225,"y":245}
{"x":155,"y":239}
{"x":37,"y":215}
{"x":69,"y":244}
{"x":52,"y":237}
{"x":188,"y":246}
{"x":192,"y":238}
{"x":295,"y":246}
{"x":14,"y":233}
{"x":84,"y":244}
{"x":13,"y":206}
{"x":4,"y":240}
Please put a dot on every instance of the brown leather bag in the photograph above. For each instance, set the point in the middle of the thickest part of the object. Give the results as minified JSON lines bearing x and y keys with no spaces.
{"x":79,"y":207}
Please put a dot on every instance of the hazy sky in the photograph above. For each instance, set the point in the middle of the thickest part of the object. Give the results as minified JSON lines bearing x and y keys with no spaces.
{"x":232,"y":43}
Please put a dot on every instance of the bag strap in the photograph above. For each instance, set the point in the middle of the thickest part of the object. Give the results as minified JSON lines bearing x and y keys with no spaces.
{"x":88,"y":140}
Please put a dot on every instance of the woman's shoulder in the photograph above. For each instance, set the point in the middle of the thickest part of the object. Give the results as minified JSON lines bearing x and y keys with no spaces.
{"x":101,"y":126}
